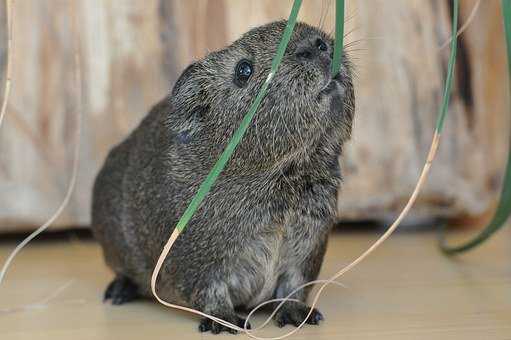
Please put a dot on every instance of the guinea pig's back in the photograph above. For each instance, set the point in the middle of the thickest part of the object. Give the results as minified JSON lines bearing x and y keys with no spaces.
{"x":120,"y":197}
{"x":107,"y":206}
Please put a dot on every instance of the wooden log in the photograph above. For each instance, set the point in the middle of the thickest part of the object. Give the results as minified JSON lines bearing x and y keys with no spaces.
{"x":133,"y":51}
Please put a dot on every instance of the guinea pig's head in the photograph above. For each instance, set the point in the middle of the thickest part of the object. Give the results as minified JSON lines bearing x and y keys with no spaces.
{"x":305,"y":104}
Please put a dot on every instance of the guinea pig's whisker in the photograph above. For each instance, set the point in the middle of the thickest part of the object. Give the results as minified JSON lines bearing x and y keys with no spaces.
{"x":321,"y":13}
{"x":324,"y":12}
{"x":361,"y":40}
{"x":347,"y":20}
{"x":351,"y":16}
{"x":375,"y":38}
{"x":350,"y":32}
{"x":328,"y":8}
{"x":353,"y":51}
{"x":354,"y":43}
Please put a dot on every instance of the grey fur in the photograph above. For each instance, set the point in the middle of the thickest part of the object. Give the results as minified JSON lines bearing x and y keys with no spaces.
{"x":263,"y":228}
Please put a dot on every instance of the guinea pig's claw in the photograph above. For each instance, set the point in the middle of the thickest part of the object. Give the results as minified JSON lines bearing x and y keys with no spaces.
{"x":216,"y":328}
{"x":120,"y":291}
{"x":296,"y":314}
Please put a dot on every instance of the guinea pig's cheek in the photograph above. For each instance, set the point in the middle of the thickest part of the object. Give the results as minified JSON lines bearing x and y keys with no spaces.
{"x":336,"y":104}
{"x":336,"y":97}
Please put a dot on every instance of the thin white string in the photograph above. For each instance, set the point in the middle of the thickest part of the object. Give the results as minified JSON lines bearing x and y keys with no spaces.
{"x":462,"y":29}
{"x":42,"y":303}
{"x":72,"y":181}
{"x":7,"y":86}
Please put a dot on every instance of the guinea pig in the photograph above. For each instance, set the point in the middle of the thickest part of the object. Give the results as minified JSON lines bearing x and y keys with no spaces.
{"x":262,"y":230}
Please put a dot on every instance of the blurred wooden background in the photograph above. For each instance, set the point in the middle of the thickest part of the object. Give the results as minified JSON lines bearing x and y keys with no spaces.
{"x":132,"y":51}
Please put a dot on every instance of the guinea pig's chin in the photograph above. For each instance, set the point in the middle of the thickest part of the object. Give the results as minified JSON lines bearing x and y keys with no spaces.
{"x":333,"y":88}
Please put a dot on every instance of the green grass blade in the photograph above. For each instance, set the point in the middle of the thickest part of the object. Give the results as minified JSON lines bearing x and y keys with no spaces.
{"x":339,"y":36}
{"x":220,"y":164}
{"x":450,"y":70}
{"x":504,"y":208}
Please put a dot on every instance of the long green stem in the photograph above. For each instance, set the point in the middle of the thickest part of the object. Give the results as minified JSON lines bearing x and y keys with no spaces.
{"x":504,"y":207}
{"x":220,"y":164}
{"x":339,"y":36}
{"x":450,"y":70}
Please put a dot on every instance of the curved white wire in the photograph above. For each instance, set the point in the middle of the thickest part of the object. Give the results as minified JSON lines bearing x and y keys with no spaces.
{"x":467,"y":23}
{"x":72,"y":180}
{"x":7,"y":86}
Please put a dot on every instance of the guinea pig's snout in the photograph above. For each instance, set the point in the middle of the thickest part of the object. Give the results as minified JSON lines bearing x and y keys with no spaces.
{"x":314,"y":50}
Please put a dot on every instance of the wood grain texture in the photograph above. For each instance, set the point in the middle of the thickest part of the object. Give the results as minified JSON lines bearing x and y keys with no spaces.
{"x":133,"y":51}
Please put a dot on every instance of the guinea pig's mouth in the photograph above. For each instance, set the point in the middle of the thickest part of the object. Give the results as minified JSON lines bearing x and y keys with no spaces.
{"x":331,"y":87}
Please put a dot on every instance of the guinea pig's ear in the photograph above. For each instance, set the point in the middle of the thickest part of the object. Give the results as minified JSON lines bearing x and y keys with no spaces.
{"x":188,"y":89}
{"x":189,"y":103}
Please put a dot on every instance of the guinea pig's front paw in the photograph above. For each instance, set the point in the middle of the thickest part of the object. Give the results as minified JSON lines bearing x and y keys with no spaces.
{"x":215,"y":328}
{"x":293,"y":313}
{"x":121,"y":290}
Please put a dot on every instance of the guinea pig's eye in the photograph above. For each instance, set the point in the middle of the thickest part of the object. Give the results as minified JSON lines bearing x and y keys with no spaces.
{"x":244,"y":70}
{"x":321,"y":45}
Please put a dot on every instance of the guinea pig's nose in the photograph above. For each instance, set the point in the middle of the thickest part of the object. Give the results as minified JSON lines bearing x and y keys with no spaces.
{"x":310,"y":50}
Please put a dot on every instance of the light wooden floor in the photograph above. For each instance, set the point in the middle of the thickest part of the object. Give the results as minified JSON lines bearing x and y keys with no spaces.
{"x":406,"y":290}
